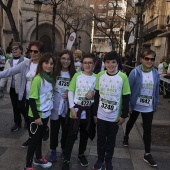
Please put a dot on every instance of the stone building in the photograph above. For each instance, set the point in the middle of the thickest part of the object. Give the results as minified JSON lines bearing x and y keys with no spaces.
{"x":154,"y":20}
{"x":25,"y":20}
{"x":105,"y":9}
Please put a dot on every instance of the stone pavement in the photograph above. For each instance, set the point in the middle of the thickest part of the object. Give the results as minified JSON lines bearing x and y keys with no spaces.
{"x":12,"y":156}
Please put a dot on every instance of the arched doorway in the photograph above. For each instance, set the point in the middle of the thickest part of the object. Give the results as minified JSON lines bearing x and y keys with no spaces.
{"x":47,"y":43}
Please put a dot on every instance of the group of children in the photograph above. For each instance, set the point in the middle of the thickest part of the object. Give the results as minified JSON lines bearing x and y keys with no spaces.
{"x":69,"y":99}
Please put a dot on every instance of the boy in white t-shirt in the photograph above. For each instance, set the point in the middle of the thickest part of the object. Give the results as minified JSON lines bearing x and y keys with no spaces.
{"x":111,"y":107}
{"x":80,"y":98}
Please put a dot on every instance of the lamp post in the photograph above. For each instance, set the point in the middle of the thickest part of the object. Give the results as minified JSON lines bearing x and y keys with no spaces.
{"x":37,"y":9}
{"x":79,"y":37}
{"x":120,"y":47}
{"x":137,"y":11}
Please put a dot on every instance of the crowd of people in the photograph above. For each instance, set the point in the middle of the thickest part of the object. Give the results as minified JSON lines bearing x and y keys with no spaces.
{"x":76,"y":92}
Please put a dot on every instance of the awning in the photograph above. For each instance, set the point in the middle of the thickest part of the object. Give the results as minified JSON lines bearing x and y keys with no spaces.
{"x":165,"y":34}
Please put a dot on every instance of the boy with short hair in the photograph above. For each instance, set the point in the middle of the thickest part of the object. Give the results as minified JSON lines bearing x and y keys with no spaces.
{"x":111,"y":107}
{"x":80,"y":98}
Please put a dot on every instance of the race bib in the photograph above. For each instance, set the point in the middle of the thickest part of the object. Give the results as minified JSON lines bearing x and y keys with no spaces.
{"x":84,"y":102}
{"x":107,"y":105}
{"x":62,"y":84}
{"x":144,"y":100}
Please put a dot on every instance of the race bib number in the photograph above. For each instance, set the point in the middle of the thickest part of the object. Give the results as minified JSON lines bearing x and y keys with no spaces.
{"x":107,"y":105}
{"x":84,"y":102}
{"x":62,"y":84}
{"x":144,"y":100}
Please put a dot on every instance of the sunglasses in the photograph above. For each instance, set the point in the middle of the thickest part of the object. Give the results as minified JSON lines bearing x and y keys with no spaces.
{"x":33,"y":51}
{"x":15,"y":48}
{"x":147,"y":59}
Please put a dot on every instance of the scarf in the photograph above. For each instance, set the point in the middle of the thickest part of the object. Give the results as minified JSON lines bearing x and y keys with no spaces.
{"x":48,"y":77}
{"x":145,"y":70}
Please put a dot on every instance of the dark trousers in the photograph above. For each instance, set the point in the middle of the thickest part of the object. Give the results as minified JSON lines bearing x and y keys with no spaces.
{"x":72,"y":136}
{"x":54,"y":132}
{"x":18,"y":107}
{"x":106,"y":137}
{"x":147,"y":124}
{"x":27,"y":117}
{"x":36,"y":141}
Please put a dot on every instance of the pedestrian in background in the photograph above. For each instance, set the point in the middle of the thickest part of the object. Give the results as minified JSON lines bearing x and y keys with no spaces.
{"x":144,"y":84}
{"x":64,"y":72}
{"x":77,"y":60}
{"x":110,"y":108}
{"x":162,"y":69}
{"x":14,"y":80}
{"x":27,"y":70}
{"x":41,"y":104}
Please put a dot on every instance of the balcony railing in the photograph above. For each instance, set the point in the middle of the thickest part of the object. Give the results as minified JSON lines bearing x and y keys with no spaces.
{"x":156,"y":24}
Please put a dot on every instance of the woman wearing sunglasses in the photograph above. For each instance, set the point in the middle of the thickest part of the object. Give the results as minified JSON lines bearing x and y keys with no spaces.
{"x":27,"y":70}
{"x":13,"y":85}
{"x":144,"y":84}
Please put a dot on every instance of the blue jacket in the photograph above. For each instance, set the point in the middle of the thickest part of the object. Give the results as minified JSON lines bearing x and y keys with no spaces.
{"x":135,"y":80}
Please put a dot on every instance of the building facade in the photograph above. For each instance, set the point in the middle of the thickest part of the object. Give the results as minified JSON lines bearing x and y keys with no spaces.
{"x":112,"y":13}
{"x":25,"y":19}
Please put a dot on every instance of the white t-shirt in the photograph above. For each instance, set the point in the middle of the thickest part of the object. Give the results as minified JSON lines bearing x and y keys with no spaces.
{"x":160,"y":68}
{"x":30,"y":75}
{"x":78,"y":66}
{"x":60,"y":105}
{"x":168,"y":71}
{"x":145,"y":100}
{"x":111,"y":89}
{"x":42,"y":92}
{"x":80,"y":85}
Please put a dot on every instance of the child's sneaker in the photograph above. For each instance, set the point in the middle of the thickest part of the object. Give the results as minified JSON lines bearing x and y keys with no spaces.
{"x":125,"y":141}
{"x":28,"y":168}
{"x":98,"y":165}
{"x":42,"y":163}
{"x":53,"y":156}
{"x":83,"y":160}
{"x":65,"y":165}
{"x":108,"y":166}
{"x":149,"y":159}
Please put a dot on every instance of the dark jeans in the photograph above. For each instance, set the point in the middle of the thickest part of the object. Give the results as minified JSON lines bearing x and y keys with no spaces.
{"x":36,"y":142}
{"x":18,"y":107}
{"x":106,"y":137}
{"x":72,"y":136}
{"x":147,"y":124}
{"x":54,"y":132}
{"x":27,"y":117}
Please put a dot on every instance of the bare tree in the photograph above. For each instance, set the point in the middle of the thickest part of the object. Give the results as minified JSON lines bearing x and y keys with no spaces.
{"x":74,"y":15}
{"x":7,"y":9}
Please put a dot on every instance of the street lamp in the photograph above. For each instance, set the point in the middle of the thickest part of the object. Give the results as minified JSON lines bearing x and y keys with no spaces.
{"x":137,"y":12}
{"x":120,"y":47}
{"x":37,"y":9}
{"x":79,"y":37}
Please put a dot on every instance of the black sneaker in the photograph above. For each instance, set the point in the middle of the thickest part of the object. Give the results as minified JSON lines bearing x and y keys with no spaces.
{"x":83,"y":160}
{"x":65,"y":165}
{"x":98,"y":165}
{"x":26,"y":143}
{"x":15,"y":127}
{"x":46,"y":134}
{"x":108,"y":166}
{"x":149,"y":159}
{"x":125,"y":141}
